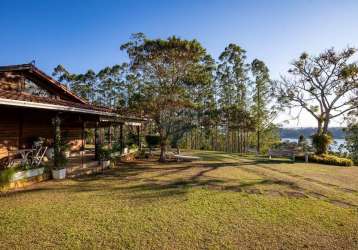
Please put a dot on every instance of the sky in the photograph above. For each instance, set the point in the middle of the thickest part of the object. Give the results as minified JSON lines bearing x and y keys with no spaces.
{"x":87,"y":34}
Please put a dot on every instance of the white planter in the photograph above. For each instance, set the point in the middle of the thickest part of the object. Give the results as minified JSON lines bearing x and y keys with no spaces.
{"x":59,"y":174}
{"x":105,"y":164}
{"x":67,"y":154}
{"x":125,"y":151}
{"x":27,"y":174}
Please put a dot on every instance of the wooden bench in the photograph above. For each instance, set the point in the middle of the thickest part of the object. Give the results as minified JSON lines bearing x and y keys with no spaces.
{"x":186,"y":158}
{"x":291,"y":153}
{"x":282,"y":153}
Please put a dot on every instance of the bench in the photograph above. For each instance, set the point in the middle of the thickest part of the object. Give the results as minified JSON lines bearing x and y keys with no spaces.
{"x":291,"y":153}
{"x":282,"y":153}
{"x":186,"y":158}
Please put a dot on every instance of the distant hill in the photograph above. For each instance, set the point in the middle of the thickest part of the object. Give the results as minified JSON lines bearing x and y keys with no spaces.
{"x":337,"y":132}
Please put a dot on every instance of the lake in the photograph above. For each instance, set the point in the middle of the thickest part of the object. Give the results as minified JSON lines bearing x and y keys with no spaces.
{"x":334,"y":146}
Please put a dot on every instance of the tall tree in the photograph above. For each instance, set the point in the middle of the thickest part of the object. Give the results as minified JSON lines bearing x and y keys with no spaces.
{"x":261,"y":110}
{"x":169,"y":69}
{"x":83,"y":85}
{"x":62,"y":75}
{"x":112,"y":86}
{"x":322,"y":85}
{"x":232,"y":76}
{"x":232,"y":79}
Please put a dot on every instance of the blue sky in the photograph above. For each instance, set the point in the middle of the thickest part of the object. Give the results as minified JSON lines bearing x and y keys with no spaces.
{"x":87,"y":34}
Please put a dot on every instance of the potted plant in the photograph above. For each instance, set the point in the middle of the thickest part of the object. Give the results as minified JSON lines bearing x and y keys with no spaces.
{"x":59,"y":171}
{"x":66,"y":150}
{"x":116,"y":150}
{"x":104,"y":157}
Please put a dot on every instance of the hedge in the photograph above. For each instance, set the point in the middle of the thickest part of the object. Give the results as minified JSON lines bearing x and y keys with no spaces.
{"x":331,"y":160}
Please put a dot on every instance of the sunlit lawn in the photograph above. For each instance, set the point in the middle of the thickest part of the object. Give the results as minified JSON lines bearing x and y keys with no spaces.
{"x":221,"y":202}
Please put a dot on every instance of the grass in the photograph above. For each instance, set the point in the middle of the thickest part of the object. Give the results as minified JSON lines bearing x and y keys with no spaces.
{"x":224,"y":201}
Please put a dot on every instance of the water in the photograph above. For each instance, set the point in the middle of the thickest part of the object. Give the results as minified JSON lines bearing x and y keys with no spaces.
{"x":334,"y":146}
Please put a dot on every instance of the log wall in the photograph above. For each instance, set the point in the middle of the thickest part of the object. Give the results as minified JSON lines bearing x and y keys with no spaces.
{"x":20,"y":127}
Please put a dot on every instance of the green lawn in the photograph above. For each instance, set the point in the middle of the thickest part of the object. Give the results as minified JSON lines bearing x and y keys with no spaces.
{"x":221,"y":202}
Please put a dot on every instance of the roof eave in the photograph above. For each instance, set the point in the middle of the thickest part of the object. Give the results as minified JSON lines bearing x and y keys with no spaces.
{"x":54,"y":107}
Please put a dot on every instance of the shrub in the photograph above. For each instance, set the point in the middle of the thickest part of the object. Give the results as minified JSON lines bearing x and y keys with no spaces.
{"x":104,"y":154}
{"x":6,"y":175}
{"x":152,"y":140}
{"x":116,"y":147}
{"x":352,"y":141}
{"x":331,"y":160}
{"x":321,"y":142}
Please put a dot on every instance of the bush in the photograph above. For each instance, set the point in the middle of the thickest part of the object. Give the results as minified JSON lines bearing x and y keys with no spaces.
{"x":321,"y":142}
{"x":104,"y":154}
{"x":152,"y":140}
{"x":116,"y":147}
{"x":331,"y":160}
{"x":352,"y":141}
{"x":6,"y":175}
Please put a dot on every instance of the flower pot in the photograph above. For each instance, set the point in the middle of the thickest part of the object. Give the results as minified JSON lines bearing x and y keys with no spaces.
{"x":27,"y":174}
{"x":67,"y":154}
{"x":105,"y":164}
{"x":59,"y":174}
{"x":125,"y":150}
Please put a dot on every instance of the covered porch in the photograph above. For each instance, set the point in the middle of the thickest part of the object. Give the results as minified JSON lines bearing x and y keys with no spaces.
{"x":82,"y":132}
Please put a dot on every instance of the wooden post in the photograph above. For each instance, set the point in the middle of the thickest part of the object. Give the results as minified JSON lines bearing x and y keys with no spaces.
{"x":110,"y":134}
{"x":57,"y":140}
{"x":121,"y":137}
{"x":83,"y":135}
{"x":21,"y":130}
{"x":96,"y":141}
{"x":138,"y":137}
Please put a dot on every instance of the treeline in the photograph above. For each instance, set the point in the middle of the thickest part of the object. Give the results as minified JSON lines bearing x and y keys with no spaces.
{"x":337,"y":132}
{"x":190,"y":99}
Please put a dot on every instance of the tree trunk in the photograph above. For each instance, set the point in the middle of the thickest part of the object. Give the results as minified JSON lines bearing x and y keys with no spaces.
{"x":244,"y":147}
{"x":325,"y":126}
{"x":319,"y":127}
{"x":162,"y":152}
{"x":238,"y":141}
{"x":258,"y":141}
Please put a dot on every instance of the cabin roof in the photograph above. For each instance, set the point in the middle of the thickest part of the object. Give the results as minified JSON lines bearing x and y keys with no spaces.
{"x":77,"y":104}
{"x":32,"y":69}
{"x":26,"y":100}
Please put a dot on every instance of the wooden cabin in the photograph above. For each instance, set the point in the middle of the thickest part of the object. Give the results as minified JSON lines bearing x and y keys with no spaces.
{"x":31,"y":103}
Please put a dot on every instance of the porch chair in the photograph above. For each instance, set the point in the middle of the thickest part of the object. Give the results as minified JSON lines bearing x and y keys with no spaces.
{"x":38,"y":154}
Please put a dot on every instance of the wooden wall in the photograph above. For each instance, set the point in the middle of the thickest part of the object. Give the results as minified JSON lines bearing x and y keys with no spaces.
{"x":20,"y":127}
{"x":15,"y":81}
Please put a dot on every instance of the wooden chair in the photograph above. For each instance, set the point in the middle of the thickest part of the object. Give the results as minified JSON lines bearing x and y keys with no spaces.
{"x":38,"y":154}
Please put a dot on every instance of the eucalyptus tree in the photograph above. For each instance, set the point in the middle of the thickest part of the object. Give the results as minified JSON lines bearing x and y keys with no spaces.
{"x":323,"y":85}
{"x":112,"y":86}
{"x":62,"y":75}
{"x":169,"y":70}
{"x":83,"y":85}
{"x":232,"y":81}
{"x":263,"y":113}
